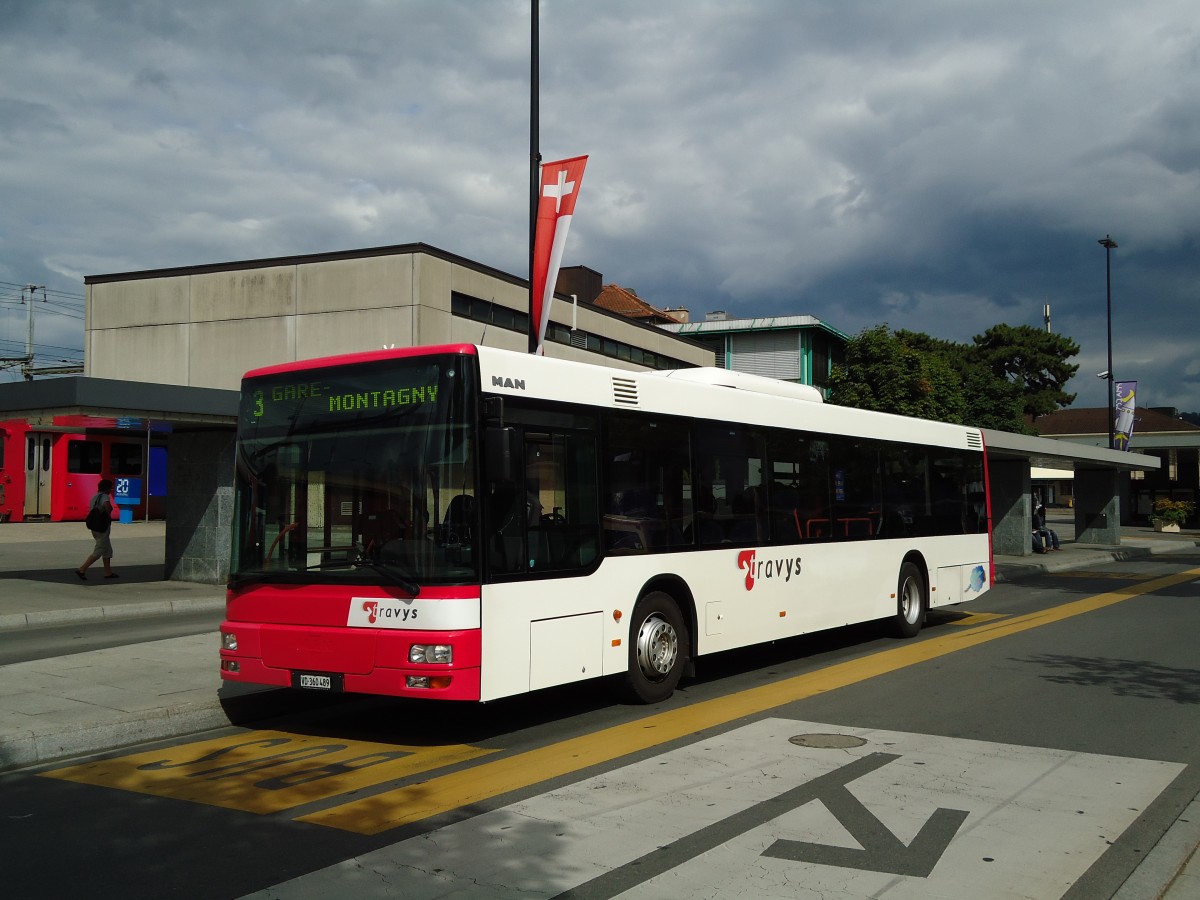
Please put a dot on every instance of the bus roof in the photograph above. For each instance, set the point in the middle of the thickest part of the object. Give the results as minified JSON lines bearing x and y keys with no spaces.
{"x":705,"y":393}
{"x":710,"y":393}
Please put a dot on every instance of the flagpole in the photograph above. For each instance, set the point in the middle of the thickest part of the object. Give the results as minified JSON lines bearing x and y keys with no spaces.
{"x":535,"y":159}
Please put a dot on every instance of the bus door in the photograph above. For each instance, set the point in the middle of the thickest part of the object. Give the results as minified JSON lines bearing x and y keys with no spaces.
{"x":38,"y":471}
{"x":548,"y":519}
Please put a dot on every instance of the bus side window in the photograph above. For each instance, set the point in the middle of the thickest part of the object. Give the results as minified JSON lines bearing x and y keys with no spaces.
{"x":857,"y":487}
{"x":645,"y":470}
{"x":730,"y":461}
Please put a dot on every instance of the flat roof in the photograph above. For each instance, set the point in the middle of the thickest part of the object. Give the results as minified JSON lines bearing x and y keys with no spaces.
{"x":107,"y":398}
{"x":1048,"y":453}
{"x":761,"y":323}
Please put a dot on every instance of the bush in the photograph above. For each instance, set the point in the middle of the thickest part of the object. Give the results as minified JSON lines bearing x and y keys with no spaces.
{"x":1172,"y":512}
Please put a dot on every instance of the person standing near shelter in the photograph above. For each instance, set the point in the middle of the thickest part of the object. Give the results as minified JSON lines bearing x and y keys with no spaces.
{"x":99,"y":522}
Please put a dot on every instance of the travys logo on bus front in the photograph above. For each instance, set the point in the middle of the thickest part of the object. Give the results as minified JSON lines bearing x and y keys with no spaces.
{"x":768,"y":567}
{"x":414,"y":615}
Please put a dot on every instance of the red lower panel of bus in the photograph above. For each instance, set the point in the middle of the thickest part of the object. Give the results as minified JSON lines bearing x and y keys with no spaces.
{"x":363,"y":661}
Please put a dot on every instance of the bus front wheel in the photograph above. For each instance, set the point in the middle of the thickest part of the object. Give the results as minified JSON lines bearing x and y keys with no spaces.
{"x":910,"y":602}
{"x":658,"y":648}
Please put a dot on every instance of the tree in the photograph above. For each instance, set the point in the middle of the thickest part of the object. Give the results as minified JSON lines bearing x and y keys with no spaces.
{"x":988,"y":401}
{"x":885,"y":372}
{"x":1033,"y":360}
{"x":1003,"y":379}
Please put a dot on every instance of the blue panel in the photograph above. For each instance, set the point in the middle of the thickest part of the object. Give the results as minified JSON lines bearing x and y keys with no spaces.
{"x":158,"y":472}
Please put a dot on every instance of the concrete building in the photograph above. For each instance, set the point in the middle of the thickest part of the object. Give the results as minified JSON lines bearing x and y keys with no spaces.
{"x":204,"y":326}
{"x":802,"y":349}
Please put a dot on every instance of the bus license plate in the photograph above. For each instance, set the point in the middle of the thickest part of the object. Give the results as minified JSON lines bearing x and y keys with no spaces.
{"x":317,"y":681}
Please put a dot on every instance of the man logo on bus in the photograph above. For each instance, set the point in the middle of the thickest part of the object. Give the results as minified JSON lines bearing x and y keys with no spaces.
{"x":766,"y":568}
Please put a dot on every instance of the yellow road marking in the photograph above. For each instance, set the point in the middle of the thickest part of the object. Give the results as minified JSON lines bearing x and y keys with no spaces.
{"x":977,"y":618}
{"x":391,"y":809}
{"x":264,"y":771}
{"x":1123,"y":576}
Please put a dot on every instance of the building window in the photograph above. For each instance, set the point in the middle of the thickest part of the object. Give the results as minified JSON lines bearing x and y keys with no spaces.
{"x":1172,"y":464}
{"x":477,"y":310}
{"x":467,"y":307}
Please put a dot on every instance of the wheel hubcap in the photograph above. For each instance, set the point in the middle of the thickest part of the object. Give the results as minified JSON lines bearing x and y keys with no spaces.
{"x":657,"y":647}
{"x":910,"y":602}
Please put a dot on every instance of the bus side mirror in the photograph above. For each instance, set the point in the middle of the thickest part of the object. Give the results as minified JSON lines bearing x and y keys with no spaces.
{"x":501,"y":451}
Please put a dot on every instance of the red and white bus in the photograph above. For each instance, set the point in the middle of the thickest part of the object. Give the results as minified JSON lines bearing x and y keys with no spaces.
{"x":467,"y":523}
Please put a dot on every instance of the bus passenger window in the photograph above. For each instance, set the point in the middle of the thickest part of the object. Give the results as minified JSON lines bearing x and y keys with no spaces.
{"x":646,"y":470}
{"x":730,"y":460}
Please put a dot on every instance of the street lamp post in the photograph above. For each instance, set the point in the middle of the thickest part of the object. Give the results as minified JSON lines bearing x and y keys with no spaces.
{"x":1110,"y":245}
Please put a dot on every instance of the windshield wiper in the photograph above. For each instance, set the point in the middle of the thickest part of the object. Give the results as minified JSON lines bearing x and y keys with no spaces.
{"x":396,"y":574}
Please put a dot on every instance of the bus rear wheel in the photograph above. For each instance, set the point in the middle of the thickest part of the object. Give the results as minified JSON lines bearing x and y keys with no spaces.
{"x":658,"y":648}
{"x":910,"y":602}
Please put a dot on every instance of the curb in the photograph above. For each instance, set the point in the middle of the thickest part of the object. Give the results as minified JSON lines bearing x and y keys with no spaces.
{"x":230,"y":705}
{"x":43,"y":618}
{"x":1007,"y":572}
{"x":1163,"y":866}
{"x":25,"y":749}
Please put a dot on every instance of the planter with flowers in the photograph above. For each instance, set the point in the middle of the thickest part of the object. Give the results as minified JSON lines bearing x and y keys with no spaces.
{"x":1170,"y":514}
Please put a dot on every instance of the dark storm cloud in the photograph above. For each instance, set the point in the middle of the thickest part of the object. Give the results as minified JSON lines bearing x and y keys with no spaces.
{"x":939,"y":166}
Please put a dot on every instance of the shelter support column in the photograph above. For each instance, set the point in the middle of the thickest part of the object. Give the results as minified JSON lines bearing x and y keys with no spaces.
{"x":1012,"y":516}
{"x":1097,"y":506}
{"x":199,"y":505}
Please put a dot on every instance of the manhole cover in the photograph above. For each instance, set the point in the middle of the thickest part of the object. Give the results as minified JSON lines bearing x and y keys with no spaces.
{"x":828,"y":741}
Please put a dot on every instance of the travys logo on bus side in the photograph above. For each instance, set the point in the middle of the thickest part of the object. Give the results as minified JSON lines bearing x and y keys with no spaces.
{"x":770,"y":567}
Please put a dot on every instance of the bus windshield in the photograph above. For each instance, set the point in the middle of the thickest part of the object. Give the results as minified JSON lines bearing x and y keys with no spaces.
{"x":363,"y":473}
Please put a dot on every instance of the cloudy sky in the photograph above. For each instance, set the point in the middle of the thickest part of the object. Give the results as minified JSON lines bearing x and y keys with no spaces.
{"x":938,"y":165}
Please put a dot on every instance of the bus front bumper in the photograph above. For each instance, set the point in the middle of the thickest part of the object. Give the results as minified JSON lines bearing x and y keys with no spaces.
{"x":363,"y":661}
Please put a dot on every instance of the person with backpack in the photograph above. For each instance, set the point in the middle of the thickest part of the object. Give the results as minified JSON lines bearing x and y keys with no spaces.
{"x":99,"y":523}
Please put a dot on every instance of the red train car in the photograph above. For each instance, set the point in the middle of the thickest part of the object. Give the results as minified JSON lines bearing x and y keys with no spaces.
{"x":50,"y":472}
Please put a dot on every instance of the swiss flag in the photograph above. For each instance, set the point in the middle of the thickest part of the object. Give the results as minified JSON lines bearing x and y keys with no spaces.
{"x":556,"y":205}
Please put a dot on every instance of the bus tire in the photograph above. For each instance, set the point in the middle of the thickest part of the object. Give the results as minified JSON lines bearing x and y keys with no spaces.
{"x":658,"y":648}
{"x":910,"y":602}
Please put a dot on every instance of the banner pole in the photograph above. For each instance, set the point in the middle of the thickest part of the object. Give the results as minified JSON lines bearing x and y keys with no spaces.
{"x":535,"y":159}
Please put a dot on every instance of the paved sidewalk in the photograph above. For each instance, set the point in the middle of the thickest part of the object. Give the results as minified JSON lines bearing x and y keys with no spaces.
{"x":54,"y":709}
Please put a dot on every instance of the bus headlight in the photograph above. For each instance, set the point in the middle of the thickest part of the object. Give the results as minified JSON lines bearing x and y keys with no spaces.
{"x":431,"y":653}
{"x":228,"y":640}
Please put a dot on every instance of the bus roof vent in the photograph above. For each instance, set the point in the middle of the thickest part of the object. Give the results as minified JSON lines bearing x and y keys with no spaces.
{"x":625,"y":391}
{"x":974,"y":440}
